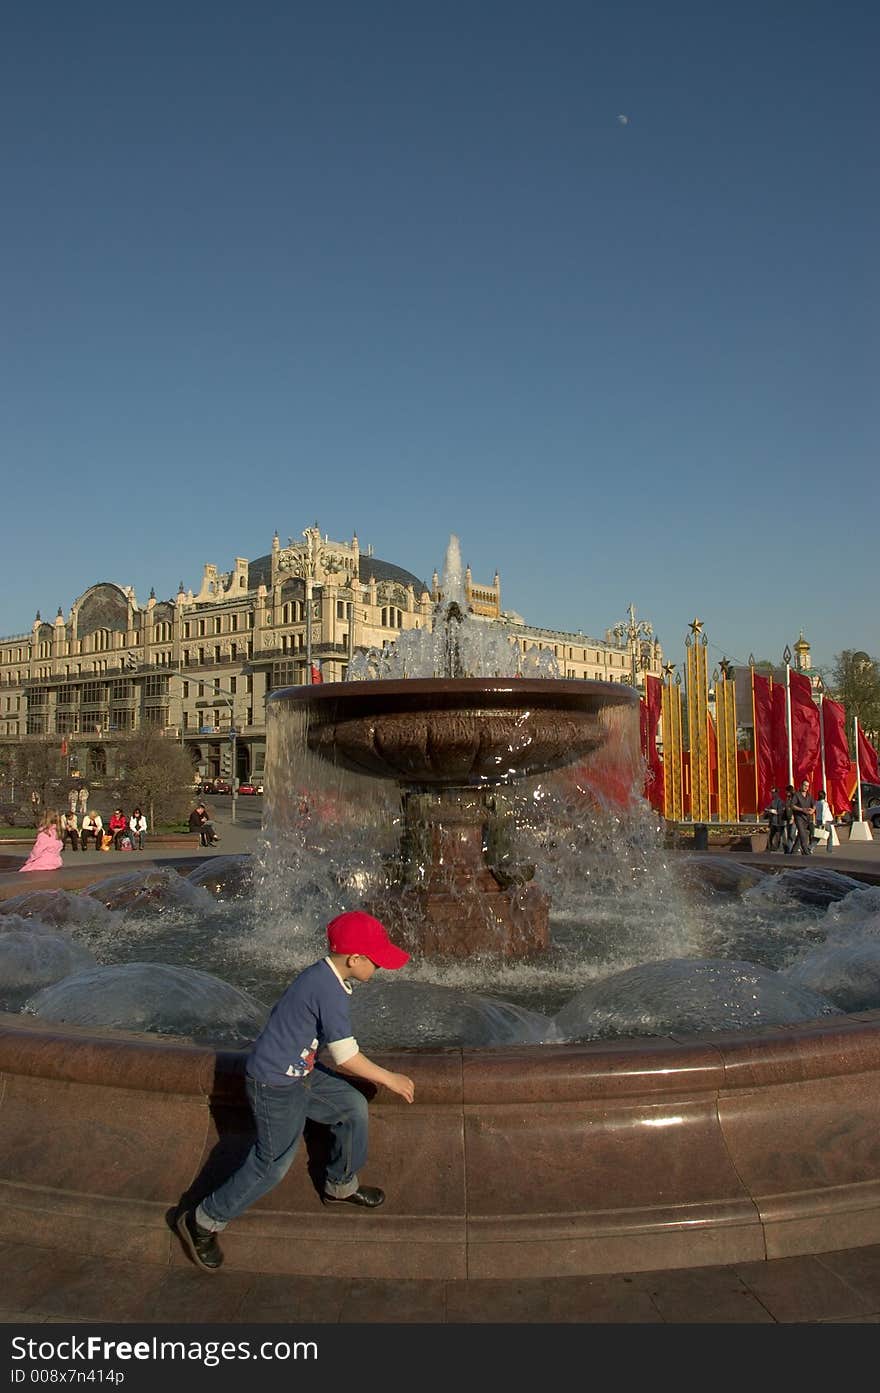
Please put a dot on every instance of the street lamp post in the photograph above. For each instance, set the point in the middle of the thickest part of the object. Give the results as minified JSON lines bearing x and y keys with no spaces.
{"x":632,"y":630}
{"x":229,"y":698}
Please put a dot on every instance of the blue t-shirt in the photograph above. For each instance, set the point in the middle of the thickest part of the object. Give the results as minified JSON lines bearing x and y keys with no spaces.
{"x":312,"y":1013}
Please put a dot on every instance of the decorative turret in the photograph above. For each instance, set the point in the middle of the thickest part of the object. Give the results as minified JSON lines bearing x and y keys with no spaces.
{"x":802,"y":654}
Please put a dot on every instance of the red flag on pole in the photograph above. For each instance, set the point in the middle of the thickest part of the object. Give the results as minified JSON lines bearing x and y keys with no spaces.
{"x":764,"y":762}
{"x":649,"y":715}
{"x":779,"y":737}
{"x":64,"y":746}
{"x":713,"y":764}
{"x":838,"y":779}
{"x":867,"y":758}
{"x":805,"y":737}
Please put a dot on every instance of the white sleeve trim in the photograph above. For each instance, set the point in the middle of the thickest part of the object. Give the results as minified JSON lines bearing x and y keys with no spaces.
{"x":341,"y":1050}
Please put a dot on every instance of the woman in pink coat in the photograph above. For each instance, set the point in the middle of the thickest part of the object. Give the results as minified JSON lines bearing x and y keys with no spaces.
{"x":46,"y":850}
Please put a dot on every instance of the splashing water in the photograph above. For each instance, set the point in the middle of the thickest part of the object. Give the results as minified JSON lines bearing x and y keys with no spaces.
{"x":459,"y":644}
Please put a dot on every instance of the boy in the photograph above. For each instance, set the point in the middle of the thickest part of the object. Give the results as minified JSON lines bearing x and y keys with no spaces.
{"x":285,"y":1088}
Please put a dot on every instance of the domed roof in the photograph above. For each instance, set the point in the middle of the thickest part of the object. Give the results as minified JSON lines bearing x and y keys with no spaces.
{"x":260,"y":573}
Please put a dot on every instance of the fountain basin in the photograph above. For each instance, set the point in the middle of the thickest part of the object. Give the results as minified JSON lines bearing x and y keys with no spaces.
{"x":542,"y":1161}
{"x":515,"y":1162}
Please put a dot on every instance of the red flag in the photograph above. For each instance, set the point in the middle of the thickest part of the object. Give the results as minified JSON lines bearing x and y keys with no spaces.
{"x":649,"y":715}
{"x":805,"y":738}
{"x":764,"y":763}
{"x":838,"y":780}
{"x":64,"y":746}
{"x":780,"y":737}
{"x":317,"y":674}
{"x":867,"y":756}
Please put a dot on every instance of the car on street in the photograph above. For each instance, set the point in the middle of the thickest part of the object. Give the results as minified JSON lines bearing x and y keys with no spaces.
{"x":870,"y":805}
{"x":250,"y":789}
{"x":222,"y":786}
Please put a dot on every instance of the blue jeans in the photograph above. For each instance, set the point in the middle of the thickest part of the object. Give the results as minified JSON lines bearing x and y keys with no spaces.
{"x":280,"y":1113}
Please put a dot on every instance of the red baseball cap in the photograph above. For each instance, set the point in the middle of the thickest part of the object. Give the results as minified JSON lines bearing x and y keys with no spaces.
{"x":358,"y":932}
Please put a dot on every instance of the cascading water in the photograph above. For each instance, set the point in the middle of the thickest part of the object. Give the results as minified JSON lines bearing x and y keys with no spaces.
{"x":640,"y":941}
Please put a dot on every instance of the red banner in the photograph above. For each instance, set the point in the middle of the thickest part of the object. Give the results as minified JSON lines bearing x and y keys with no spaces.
{"x":649,"y":715}
{"x":838,"y":780}
{"x":805,"y":738}
{"x":780,"y":737}
{"x":867,"y":757}
{"x":764,"y":762}
{"x":317,"y":674}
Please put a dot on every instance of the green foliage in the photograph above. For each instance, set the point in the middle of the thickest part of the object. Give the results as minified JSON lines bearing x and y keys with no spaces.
{"x":855,"y":681}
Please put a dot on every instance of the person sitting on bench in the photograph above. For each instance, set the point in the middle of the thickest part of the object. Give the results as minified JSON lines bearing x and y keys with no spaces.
{"x":200,"y":821}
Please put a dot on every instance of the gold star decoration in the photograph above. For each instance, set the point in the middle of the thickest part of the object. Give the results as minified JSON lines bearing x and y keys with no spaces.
{"x":696,"y":626}
{"x":668,"y":669}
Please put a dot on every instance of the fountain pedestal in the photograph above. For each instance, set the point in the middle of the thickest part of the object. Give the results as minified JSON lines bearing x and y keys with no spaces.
{"x":457,"y":890}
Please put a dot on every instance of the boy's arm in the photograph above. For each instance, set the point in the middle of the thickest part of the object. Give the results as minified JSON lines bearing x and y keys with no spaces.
{"x":363,"y":1068}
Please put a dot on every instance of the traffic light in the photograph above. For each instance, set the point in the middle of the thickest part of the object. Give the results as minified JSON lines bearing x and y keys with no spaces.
{"x":226,"y":761}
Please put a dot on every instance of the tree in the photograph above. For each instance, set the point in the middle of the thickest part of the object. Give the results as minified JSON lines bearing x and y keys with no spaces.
{"x":39,"y":766}
{"x":855,"y":681}
{"x":154,"y":773}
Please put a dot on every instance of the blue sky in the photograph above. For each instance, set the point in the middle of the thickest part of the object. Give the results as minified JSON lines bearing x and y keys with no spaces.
{"x":402,"y":269}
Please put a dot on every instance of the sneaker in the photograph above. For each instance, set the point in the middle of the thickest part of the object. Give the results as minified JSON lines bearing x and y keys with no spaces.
{"x":201,"y":1244}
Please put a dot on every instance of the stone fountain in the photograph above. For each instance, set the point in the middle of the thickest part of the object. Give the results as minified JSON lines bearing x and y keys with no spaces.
{"x":616,"y":1155}
{"x":457,"y":717}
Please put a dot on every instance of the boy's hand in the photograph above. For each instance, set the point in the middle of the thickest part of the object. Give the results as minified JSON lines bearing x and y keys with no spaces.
{"x":400,"y":1083}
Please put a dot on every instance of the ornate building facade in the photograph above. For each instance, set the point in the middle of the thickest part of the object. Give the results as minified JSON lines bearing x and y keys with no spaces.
{"x":203,"y":663}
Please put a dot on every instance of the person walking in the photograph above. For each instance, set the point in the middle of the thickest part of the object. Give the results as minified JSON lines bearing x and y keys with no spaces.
{"x":82,"y":801}
{"x":804,"y":809}
{"x":776,"y":819}
{"x":72,"y":797}
{"x":825,"y":821}
{"x":789,"y":832}
{"x":300,"y":1068}
{"x":45,"y":854}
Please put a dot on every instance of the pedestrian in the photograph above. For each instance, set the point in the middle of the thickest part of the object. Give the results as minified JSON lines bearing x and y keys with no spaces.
{"x":45,"y":854}
{"x":35,"y":806}
{"x":775,"y":815}
{"x":200,"y":821}
{"x":789,"y":832}
{"x":824,"y":821}
{"x":72,"y":797}
{"x":286,"y":1086}
{"x":804,"y":810}
{"x":70,"y":831}
{"x":83,"y":800}
{"x":138,"y":828}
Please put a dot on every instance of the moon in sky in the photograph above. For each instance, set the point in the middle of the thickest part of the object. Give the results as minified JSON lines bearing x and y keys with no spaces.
{"x":624,"y":120}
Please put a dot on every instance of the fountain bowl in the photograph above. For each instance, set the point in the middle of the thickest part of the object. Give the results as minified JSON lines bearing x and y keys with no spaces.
{"x":460,"y":731}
